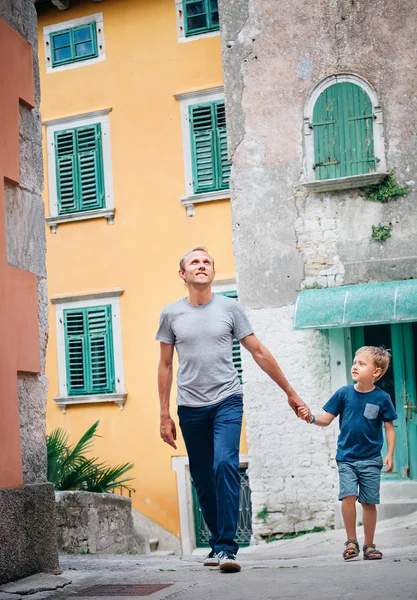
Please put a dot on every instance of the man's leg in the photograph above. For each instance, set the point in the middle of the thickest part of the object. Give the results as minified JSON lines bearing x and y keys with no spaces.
{"x":197,"y":431}
{"x":227,"y":425}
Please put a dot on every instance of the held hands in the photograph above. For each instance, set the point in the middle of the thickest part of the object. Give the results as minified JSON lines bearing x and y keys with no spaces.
{"x":297,"y":404}
{"x":388,"y":460}
{"x":168,"y":431}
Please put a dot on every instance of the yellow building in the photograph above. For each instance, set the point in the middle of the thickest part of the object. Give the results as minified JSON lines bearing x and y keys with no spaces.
{"x":136,"y":173}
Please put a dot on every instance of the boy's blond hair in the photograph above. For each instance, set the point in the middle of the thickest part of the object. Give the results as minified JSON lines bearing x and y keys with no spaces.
{"x":380,"y":356}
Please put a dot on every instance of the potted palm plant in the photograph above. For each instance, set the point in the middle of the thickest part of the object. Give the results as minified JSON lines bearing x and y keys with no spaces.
{"x":89,"y":518}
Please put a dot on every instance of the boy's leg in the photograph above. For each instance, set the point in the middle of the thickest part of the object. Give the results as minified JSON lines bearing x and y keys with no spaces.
{"x":348,"y":493}
{"x":369,"y":487}
{"x":227,"y":429}
{"x":369,"y":522}
{"x":197,"y":430}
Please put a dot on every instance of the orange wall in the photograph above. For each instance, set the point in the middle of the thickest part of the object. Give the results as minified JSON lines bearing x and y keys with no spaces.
{"x":144,"y":67}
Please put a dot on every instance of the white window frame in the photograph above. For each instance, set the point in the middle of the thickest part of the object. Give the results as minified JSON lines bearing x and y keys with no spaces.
{"x":52,"y":126}
{"x":190,"y":199}
{"x":107,"y":297}
{"x":179,"y":11}
{"x":350,"y":182}
{"x":98,"y":19}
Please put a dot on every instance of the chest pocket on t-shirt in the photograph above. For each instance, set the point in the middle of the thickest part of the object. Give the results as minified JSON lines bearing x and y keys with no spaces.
{"x":371,"y":411}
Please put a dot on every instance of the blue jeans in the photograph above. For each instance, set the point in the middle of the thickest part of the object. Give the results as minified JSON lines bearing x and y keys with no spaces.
{"x":365,"y":474}
{"x":212,"y":436}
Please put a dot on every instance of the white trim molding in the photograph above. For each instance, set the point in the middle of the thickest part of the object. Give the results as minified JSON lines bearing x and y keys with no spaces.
{"x":187,"y":99}
{"x":101,"y":48}
{"x":378,"y":134}
{"x":180,"y":465}
{"x":224,"y":285}
{"x":107,"y":297}
{"x":108,"y":212}
{"x":179,"y":11}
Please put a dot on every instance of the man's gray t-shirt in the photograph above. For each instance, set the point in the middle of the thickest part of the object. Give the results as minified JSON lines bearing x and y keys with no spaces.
{"x":203,"y":337}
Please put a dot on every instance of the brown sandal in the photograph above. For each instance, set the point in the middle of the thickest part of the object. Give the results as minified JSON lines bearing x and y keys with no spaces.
{"x":351,"y":552}
{"x":369,"y":550}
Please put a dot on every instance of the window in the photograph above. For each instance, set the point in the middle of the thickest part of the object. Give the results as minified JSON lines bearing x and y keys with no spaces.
{"x":211,"y":167}
{"x":237,"y":358}
{"x":79,"y":169}
{"x":76,"y":43}
{"x":89,"y":350}
{"x":200,"y":16}
{"x":89,"y":343}
{"x":344,"y":136}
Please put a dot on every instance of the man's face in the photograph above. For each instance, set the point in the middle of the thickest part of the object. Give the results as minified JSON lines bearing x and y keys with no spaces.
{"x":198,"y":269}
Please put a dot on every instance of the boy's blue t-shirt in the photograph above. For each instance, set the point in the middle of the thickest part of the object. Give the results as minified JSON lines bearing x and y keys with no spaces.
{"x":360,"y":420}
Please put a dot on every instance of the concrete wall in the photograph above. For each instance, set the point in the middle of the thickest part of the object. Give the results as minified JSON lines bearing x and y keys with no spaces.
{"x":27,"y":508}
{"x":285,"y":238}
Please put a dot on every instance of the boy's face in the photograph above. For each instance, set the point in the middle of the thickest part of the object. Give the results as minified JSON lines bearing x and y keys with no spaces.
{"x":364,"y":369}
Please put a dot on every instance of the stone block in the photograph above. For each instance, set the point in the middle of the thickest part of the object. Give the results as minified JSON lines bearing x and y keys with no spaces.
{"x":94,"y":523}
{"x":27,"y":531}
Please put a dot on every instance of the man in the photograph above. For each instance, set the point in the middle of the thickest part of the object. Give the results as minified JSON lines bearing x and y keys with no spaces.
{"x":202,"y":327}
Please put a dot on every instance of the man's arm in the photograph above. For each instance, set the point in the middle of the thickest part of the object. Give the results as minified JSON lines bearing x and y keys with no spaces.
{"x":390,"y":436}
{"x":167,"y":427}
{"x":267,"y":362}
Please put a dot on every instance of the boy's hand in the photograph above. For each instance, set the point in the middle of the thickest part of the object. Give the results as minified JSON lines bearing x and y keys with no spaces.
{"x":304,"y":413}
{"x":388,"y":460}
{"x":295,"y":402}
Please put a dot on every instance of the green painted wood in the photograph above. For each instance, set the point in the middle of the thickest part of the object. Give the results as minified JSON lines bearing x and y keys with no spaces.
{"x":352,"y":305}
{"x":210,"y":164}
{"x":89,"y":350}
{"x":200,"y":16}
{"x":236,"y":353}
{"x":74,"y":44}
{"x":343,"y":132}
{"x":410,"y":353}
{"x":79,"y":169}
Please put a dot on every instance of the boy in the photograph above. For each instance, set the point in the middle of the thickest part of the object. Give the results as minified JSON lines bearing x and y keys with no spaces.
{"x":362,"y":408}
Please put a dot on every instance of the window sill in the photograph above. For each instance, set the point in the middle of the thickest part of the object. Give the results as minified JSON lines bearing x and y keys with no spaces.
{"x":345,"y":183}
{"x":64,"y":401}
{"x":189,"y":202}
{"x":106,"y":213}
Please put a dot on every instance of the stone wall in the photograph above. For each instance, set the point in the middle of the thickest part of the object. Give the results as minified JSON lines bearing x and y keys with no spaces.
{"x":27,"y":513}
{"x":93,"y":523}
{"x":286,"y":238}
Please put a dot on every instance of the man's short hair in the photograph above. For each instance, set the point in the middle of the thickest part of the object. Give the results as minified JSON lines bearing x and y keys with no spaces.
{"x":197,"y":249}
{"x":380,"y":356}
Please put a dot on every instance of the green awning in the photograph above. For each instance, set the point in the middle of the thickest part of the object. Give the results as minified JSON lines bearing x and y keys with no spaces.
{"x":350,"y":305}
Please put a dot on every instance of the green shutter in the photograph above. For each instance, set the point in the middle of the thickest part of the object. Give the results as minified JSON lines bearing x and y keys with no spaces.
{"x":237,"y":358}
{"x":89,"y":350}
{"x":200,"y":16}
{"x":343,"y":132}
{"x":223,"y":161}
{"x":73,"y":44}
{"x":211,"y":167}
{"x":79,"y":169}
{"x":65,"y":153}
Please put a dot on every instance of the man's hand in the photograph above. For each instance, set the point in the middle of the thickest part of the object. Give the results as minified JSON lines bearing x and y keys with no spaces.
{"x":388,"y":460}
{"x":295,"y":402}
{"x":168,"y":431}
{"x":304,"y":413}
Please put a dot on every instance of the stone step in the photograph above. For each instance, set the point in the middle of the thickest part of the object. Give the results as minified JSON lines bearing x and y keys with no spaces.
{"x":162,"y":553}
{"x":153,"y":544}
{"x":398,"y":490}
{"x":386,"y":510}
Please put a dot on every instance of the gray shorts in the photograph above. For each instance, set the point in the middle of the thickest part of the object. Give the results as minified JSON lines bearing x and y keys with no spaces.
{"x":362,"y":474}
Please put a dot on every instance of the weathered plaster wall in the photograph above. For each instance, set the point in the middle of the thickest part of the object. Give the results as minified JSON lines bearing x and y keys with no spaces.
{"x":285,"y":238}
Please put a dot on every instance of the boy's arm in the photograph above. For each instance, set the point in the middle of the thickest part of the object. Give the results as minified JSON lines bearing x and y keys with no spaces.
{"x":321,"y":421}
{"x":167,"y":427}
{"x":390,"y":436}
